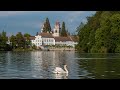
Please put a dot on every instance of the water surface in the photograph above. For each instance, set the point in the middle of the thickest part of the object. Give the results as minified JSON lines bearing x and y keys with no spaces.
{"x":40,"y":64}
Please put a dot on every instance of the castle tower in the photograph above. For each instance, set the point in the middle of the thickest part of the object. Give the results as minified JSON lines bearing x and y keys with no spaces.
{"x":56,"y":30}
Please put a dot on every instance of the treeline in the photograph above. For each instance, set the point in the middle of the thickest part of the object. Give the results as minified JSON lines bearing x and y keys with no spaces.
{"x":18,"y":41}
{"x":101,"y":33}
{"x":3,"y":42}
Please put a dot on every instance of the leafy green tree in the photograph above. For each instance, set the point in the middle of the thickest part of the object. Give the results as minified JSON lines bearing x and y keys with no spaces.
{"x":13,"y":41}
{"x":101,"y":33}
{"x":4,"y":39}
{"x":27,"y":35}
{"x":27,"y":40}
{"x":20,"y":40}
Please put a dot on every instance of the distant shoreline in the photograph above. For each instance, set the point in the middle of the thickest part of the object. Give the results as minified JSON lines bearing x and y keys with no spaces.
{"x":62,"y":49}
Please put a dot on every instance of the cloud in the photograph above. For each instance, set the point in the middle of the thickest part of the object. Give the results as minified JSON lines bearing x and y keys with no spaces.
{"x":35,"y":24}
{"x":11,"y":13}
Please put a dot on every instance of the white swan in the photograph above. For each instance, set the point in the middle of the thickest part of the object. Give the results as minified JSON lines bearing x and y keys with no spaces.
{"x":59,"y":70}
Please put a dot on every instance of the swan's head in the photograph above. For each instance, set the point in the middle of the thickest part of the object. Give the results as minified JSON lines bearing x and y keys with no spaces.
{"x":65,"y":65}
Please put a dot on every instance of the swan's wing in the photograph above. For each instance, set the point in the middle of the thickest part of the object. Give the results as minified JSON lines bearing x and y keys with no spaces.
{"x":58,"y":69}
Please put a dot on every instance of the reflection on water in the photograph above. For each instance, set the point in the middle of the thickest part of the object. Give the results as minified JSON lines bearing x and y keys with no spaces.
{"x":60,"y":76}
{"x":44,"y":62}
{"x":40,"y":64}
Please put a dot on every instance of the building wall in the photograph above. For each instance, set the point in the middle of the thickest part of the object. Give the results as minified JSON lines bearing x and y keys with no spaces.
{"x":43,"y":41}
{"x":67,"y":43}
{"x":39,"y":41}
{"x":48,"y":41}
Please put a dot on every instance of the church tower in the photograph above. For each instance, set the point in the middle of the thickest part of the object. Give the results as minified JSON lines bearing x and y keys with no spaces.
{"x":56,"y":30}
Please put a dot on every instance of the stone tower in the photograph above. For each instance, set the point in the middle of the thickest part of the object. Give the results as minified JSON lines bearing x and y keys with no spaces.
{"x":56,"y":30}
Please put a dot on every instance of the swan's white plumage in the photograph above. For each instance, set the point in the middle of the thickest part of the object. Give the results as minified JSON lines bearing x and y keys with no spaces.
{"x":60,"y":70}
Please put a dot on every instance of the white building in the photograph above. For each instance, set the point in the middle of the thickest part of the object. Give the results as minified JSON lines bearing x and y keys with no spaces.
{"x":43,"y":39}
{"x":52,"y":38}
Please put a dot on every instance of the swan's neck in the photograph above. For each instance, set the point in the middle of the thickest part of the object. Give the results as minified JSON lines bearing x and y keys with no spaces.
{"x":65,"y":69}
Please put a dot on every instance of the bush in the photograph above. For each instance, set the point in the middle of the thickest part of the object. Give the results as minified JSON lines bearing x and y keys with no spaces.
{"x":117,"y":50}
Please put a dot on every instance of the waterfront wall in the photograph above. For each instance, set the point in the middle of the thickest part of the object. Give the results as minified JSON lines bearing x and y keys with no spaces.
{"x":62,"y":49}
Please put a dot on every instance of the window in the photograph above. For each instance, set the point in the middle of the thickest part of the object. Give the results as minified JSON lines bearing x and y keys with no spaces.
{"x":55,"y":31}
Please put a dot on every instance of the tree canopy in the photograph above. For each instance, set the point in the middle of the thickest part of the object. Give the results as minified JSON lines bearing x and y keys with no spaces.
{"x":101,"y":34}
{"x":63,"y":31}
{"x":47,"y":27}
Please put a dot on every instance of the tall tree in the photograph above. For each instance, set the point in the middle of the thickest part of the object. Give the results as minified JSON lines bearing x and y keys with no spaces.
{"x":47,"y":27}
{"x":63,"y":31}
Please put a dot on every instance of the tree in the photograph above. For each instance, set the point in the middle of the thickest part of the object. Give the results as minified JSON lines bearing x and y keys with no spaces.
{"x":27,"y":40}
{"x":37,"y":33}
{"x":63,"y":31}
{"x":0,"y":40}
{"x":4,"y":40}
{"x":20,"y":40}
{"x":13,"y":41}
{"x":27,"y":35}
{"x":80,"y":27}
{"x":47,"y":27}
{"x":101,"y":33}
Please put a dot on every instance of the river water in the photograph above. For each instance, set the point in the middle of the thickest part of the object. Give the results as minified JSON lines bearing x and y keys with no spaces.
{"x":40,"y":64}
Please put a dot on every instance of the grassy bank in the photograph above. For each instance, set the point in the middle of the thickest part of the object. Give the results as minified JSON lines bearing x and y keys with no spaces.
{"x":19,"y":49}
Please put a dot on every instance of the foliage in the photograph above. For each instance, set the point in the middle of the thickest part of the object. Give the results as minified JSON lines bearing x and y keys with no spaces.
{"x":101,"y":34}
{"x":47,"y":27}
{"x":63,"y":31}
{"x":3,"y":41}
{"x":27,"y":40}
{"x":13,"y":41}
{"x":20,"y":40}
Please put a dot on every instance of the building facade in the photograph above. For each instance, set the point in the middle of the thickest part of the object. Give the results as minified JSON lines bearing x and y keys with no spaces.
{"x":52,"y":38}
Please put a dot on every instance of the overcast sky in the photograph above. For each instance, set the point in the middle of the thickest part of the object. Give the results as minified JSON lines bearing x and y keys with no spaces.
{"x":31,"y":21}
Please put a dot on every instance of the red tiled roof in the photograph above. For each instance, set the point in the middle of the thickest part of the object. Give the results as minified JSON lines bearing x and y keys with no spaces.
{"x":62,"y":39}
{"x":32,"y":37}
{"x":46,"y":35}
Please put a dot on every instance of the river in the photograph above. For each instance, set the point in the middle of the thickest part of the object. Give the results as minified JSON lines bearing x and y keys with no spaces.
{"x":40,"y":64}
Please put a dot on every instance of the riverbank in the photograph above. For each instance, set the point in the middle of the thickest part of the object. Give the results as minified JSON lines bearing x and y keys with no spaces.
{"x":61,"y":49}
{"x":18,"y":49}
{"x":45,"y":49}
